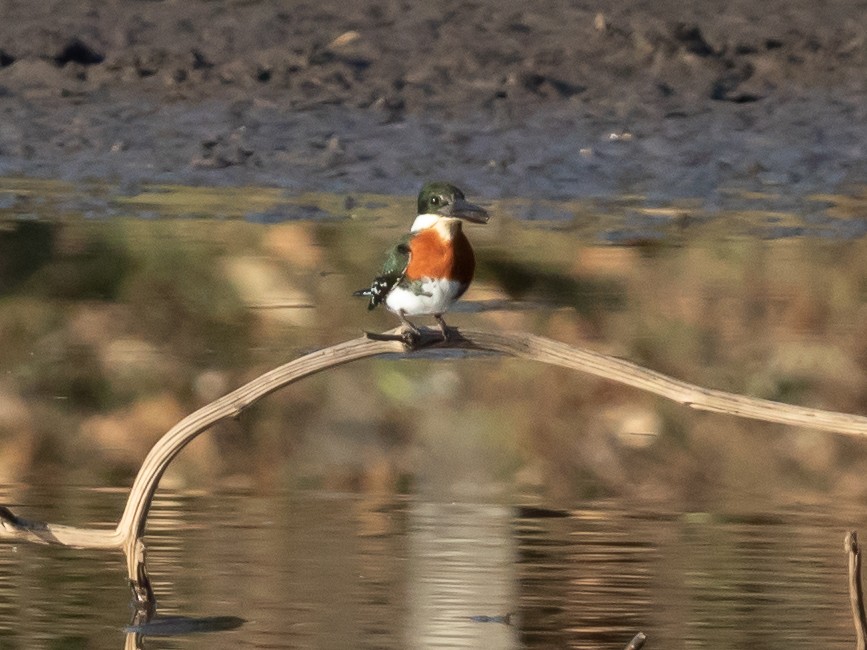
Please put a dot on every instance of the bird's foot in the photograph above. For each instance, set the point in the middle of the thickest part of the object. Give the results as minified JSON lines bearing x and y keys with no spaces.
{"x":450,"y":334}
{"x":411,"y":334}
{"x":444,"y":329}
{"x":412,"y":337}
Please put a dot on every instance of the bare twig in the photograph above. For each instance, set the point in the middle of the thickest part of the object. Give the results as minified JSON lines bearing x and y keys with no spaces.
{"x":856,"y":595}
{"x":130,"y":529}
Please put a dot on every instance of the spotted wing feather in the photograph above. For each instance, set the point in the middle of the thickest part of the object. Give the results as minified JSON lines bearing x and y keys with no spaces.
{"x":393,"y":270}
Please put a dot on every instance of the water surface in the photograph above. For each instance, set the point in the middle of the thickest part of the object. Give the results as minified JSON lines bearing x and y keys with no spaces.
{"x":326,"y":569}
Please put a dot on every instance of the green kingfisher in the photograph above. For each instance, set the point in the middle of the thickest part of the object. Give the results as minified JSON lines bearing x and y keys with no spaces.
{"x":432,"y":266}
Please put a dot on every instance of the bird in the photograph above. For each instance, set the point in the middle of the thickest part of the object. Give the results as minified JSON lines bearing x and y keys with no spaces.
{"x":432,"y":266}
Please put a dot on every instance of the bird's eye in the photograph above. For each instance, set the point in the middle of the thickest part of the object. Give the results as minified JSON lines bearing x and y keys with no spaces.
{"x":435,"y":200}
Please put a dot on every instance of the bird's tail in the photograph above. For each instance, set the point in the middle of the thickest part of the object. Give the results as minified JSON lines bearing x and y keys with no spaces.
{"x":367,"y":293}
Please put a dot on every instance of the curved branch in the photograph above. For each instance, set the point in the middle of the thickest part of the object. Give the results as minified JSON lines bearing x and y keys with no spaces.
{"x":132,"y":522}
{"x":131,"y":526}
{"x":537,"y":348}
{"x":39,"y":532}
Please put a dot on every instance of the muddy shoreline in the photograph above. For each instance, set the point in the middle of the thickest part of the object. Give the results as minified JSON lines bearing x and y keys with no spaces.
{"x":554,"y":101}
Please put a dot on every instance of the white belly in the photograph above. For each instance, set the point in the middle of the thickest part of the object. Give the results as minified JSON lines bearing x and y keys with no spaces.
{"x":435,"y":298}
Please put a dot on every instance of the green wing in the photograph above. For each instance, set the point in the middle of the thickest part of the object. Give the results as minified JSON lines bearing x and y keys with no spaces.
{"x":396,"y":260}
{"x":393,"y":269}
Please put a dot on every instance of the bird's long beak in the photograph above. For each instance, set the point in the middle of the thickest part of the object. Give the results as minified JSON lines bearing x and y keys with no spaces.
{"x":465,"y":210}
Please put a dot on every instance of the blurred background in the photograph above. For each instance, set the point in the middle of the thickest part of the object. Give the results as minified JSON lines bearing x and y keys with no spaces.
{"x":115,"y":328}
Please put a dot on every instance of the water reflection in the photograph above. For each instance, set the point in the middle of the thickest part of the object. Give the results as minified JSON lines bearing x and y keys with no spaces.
{"x":461,"y":566}
{"x":308,"y":570}
{"x":182,"y":625}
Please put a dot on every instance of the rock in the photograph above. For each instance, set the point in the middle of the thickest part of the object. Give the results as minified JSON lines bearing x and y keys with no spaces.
{"x":75,"y":51}
{"x":692,"y":40}
{"x":32,"y":73}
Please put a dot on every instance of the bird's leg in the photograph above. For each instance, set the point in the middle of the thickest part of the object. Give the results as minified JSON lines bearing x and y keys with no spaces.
{"x":408,"y":325}
{"x":443,"y":327}
{"x":411,"y":334}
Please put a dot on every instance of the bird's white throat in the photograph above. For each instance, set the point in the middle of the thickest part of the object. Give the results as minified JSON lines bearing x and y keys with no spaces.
{"x":423,"y":221}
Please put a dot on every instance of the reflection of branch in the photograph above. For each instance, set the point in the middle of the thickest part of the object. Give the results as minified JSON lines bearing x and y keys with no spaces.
{"x":14,"y":527}
{"x":129,"y":531}
{"x":856,"y":595}
{"x":637,"y":642}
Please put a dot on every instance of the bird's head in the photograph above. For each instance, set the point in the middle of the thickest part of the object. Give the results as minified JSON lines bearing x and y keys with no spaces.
{"x":445,"y":200}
